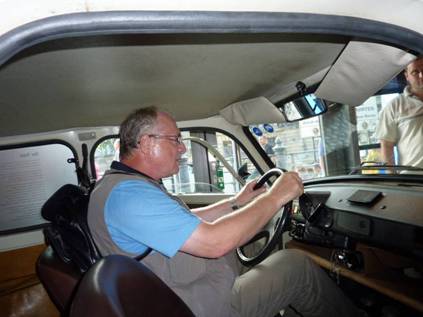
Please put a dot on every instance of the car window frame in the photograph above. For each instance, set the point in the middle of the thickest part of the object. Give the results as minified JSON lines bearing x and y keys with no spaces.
{"x":12,"y":146}
{"x":206,"y":129}
{"x":94,"y":148}
{"x":194,"y":129}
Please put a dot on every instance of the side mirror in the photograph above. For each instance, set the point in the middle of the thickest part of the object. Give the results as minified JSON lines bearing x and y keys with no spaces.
{"x":303,"y":107}
{"x":243,"y":171}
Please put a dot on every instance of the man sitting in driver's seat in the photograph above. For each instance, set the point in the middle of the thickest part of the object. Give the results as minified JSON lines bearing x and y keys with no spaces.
{"x":130,"y":211}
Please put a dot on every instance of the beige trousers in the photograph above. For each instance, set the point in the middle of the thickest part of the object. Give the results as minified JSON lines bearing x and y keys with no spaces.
{"x":285,"y":278}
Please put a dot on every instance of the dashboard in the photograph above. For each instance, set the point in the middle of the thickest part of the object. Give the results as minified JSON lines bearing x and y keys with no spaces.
{"x":387,"y":215}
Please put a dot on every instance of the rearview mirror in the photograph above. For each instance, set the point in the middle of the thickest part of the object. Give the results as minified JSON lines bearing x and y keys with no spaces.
{"x":303,"y":108}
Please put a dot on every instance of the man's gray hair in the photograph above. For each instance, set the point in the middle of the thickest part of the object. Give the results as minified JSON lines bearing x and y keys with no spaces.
{"x":420,"y":57}
{"x":139,"y":122}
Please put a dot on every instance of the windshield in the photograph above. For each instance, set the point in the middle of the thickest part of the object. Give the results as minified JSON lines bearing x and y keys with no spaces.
{"x":340,"y":142}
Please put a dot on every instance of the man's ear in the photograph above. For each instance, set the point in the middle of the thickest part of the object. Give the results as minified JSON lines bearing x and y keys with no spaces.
{"x":144,"y":143}
{"x":406,"y":74}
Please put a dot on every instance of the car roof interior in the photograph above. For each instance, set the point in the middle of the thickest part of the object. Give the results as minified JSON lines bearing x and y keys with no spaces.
{"x":92,"y":81}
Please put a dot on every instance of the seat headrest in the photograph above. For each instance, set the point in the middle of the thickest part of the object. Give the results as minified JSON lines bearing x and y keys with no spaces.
{"x":64,"y":202}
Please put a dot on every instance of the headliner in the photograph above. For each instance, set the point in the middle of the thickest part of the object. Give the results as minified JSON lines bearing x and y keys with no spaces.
{"x":89,"y":80}
{"x":57,"y":85}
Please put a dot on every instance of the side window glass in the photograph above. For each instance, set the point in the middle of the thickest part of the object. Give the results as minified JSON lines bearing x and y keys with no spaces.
{"x":201,"y":172}
{"x":29,"y":175}
{"x":106,"y":152}
{"x":367,"y":119}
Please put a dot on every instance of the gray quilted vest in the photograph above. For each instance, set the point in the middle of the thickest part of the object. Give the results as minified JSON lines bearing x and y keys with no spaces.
{"x":205,"y":285}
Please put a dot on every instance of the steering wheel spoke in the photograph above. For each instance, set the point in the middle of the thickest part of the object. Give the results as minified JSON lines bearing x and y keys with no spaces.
{"x":270,"y":234}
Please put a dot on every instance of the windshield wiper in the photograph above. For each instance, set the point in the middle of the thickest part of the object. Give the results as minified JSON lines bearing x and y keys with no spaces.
{"x":390,"y":169}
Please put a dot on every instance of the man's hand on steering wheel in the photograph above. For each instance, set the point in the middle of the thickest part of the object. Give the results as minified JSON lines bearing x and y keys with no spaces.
{"x":247,"y":193}
{"x":286,"y":187}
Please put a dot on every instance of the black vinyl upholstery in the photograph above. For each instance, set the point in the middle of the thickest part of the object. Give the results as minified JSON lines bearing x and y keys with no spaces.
{"x":119,"y":286}
{"x":68,"y":232}
{"x":58,"y":278}
{"x":71,"y":250}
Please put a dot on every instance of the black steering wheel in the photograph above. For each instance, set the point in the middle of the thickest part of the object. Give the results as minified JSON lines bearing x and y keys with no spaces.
{"x":272,"y":232}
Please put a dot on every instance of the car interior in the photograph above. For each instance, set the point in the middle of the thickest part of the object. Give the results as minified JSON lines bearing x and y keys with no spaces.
{"x":255,"y":94}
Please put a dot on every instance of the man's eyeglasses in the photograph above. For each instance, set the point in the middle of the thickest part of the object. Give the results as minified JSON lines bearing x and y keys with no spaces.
{"x":416,"y":73}
{"x":175,"y":138}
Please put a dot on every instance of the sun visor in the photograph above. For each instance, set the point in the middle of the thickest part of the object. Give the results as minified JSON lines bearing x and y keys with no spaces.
{"x":252,"y":111}
{"x":360,"y":71}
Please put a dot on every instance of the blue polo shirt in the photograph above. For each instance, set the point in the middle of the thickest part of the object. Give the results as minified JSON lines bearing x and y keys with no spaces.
{"x":139,"y":215}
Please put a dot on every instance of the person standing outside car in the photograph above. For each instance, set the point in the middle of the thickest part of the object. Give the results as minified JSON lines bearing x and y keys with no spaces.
{"x":401,"y":121}
{"x":130,"y":211}
{"x":264,"y":142}
{"x":268,"y":148}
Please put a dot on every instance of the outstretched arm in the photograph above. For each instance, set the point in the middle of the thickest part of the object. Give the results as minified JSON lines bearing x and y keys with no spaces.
{"x":224,"y":207}
{"x":387,"y":151}
{"x":214,"y":239}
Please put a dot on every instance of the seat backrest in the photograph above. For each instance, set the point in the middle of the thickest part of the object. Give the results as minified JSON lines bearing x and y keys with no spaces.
{"x":71,"y":248}
{"x":118,"y":286}
{"x":58,"y":278}
{"x":68,"y":232}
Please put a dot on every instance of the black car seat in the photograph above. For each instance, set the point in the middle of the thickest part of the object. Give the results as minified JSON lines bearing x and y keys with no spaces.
{"x":71,"y":250}
{"x":68,"y":232}
{"x":58,"y":278}
{"x":119,"y":286}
